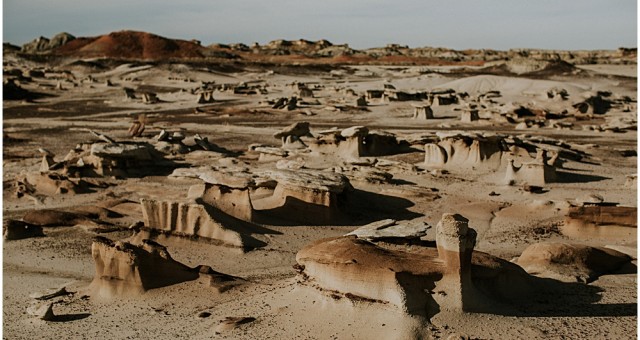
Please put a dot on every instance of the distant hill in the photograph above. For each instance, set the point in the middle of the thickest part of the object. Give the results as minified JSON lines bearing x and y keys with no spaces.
{"x":130,"y":45}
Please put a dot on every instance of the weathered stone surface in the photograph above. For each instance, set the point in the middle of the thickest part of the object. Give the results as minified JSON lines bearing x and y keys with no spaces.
{"x":570,"y":262}
{"x":309,"y":179}
{"x":191,"y":219}
{"x":48,"y":184}
{"x":125,"y":269}
{"x":121,"y":150}
{"x":536,"y":172}
{"x":417,"y":279}
{"x":391,"y":229}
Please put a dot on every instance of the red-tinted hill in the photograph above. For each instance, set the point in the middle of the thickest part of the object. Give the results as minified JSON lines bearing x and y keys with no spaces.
{"x":130,"y":45}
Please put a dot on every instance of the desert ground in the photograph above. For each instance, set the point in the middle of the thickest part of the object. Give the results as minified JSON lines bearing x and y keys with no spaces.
{"x":182,"y":198}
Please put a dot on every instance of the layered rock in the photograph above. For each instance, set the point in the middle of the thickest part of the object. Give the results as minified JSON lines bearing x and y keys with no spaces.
{"x":493,"y":153}
{"x":112,"y":159}
{"x":466,"y":151}
{"x":418,"y":279}
{"x":309,"y":196}
{"x":357,"y":141}
{"x":455,"y":242}
{"x":126,"y":269}
{"x":192,"y":219}
{"x":536,"y":172}
{"x":601,"y":221}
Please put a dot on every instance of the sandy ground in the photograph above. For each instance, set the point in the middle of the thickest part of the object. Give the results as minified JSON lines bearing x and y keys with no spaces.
{"x":507,"y":221}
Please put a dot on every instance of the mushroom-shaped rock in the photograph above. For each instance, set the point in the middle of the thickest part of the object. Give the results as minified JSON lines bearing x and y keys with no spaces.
{"x":291,"y":134}
{"x":416,"y":278}
{"x":422,"y":112}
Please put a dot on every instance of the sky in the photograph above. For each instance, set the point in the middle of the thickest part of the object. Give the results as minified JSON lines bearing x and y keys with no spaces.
{"x":457,"y":24}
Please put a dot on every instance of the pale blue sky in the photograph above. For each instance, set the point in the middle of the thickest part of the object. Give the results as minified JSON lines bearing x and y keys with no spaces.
{"x":459,"y":24}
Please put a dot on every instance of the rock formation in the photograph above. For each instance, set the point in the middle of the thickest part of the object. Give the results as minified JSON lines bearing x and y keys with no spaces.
{"x":466,"y":152}
{"x":455,"y":242}
{"x":113,"y":159}
{"x":391,"y":229}
{"x":48,"y":184}
{"x":125,"y":269}
{"x":42,"y":311}
{"x":205,"y":96}
{"x":315,"y":197}
{"x":492,"y":153}
{"x":417,"y":279}
{"x":150,"y":98}
{"x":192,"y":219}
{"x":357,"y":141}
{"x":422,"y":112}
{"x":291,"y":135}
{"x":469,"y":115}
{"x":570,"y":262}
{"x":536,"y":172}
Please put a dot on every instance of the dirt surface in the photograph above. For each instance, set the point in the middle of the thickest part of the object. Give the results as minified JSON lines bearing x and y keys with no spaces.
{"x":274,"y":303}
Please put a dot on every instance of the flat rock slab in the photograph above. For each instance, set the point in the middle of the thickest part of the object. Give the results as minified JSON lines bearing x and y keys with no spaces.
{"x":119,"y":150}
{"x":309,"y":179}
{"x":49,"y":294}
{"x":391,"y":229}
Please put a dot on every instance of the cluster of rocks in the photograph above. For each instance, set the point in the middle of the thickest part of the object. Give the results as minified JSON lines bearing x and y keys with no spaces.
{"x":494,"y":153}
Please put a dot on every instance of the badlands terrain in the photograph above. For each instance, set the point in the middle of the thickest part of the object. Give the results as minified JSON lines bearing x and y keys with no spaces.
{"x":157,"y":188}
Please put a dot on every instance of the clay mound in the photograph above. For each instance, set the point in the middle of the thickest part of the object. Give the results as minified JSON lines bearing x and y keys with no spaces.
{"x":126,"y":269}
{"x":507,"y":86}
{"x":570,"y":262}
{"x":130,"y":45}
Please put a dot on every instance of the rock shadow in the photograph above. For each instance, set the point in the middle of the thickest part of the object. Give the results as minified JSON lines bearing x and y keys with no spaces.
{"x":555,"y":298}
{"x":569,"y":177}
{"x":359,"y":207}
{"x":70,"y":317}
{"x":367,"y":207}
